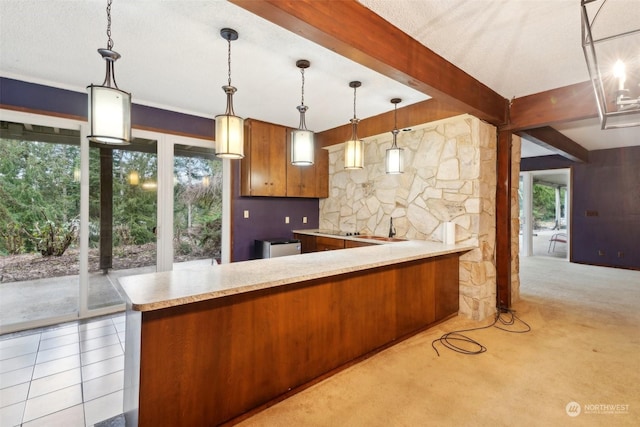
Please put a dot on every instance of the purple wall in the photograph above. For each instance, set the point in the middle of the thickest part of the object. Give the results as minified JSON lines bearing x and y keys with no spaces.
{"x":49,"y":99}
{"x":606,"y":208}
{"x":266,"y":219}
{"x":605,"y":219}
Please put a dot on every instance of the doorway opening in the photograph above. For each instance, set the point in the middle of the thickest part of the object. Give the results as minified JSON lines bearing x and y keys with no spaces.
{"x":544,"y":213}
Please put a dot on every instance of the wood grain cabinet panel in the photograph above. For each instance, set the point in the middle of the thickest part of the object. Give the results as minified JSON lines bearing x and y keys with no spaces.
{"x":307,"y":242}
{"x":328,"y":243}
{"x":216,"y":361}
{"x":356,"y":244}
{"x":266,"y":169}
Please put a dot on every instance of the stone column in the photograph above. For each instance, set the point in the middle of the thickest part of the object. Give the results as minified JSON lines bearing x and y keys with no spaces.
{"x":450,"y":175}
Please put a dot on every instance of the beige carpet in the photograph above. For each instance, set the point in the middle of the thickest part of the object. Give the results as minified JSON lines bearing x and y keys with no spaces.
{"x":584,"y":347}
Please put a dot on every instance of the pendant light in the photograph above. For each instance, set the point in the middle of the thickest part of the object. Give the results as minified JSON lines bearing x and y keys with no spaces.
{"x":229,"y":127}
{"x":109,"y":107}
{"x":302,"y":144}
{"x":610,"y":40}
{"x":395,"y":156}
{"x":354,"y":148}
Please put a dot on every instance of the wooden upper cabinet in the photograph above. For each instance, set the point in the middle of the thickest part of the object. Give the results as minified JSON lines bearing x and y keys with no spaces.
{"x":267,"y":169}
{"x":308,"y":181}
{"x":264,"y":171}
{"x":301,"y":180}
{"x":321,"y":166}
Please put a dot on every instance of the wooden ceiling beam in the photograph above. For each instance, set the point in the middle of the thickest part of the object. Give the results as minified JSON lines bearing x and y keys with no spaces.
{"x":555,"y":141}
{"x":355,"y":32}
{"x":563,"y":104}
{"x":419,"y":113}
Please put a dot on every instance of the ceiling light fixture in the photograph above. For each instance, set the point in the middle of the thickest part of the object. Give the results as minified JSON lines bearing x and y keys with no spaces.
{"x":610,"y":40}
{"x":229,"y":127}
{"x":354,"y":148}
{"x":302,"y":141}
{"x":109,"y":107}
{"x":395,"y":158}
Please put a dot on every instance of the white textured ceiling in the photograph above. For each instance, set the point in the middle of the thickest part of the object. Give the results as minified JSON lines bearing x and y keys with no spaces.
{"x":516,"y":47}
{"x":173,"y":56}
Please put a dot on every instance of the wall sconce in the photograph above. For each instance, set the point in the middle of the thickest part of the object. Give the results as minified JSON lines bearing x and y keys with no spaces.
{"x":354,"y":148}
{"x":109,"y":107}
{"x":229,"y":127}
{"x":302,"y":140}
{"x":610,"y":41}
{"x":395,"y":156}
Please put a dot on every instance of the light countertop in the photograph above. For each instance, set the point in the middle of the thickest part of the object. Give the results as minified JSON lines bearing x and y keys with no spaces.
{"x":154,"y":291}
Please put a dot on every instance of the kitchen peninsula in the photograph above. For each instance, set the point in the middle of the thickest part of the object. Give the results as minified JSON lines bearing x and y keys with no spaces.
{"x":207,"y":345}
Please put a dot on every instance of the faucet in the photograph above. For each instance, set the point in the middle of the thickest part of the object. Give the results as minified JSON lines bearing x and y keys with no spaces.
{"x":392,"y":229}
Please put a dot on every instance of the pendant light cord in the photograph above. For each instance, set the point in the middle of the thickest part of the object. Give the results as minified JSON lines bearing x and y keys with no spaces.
{"x":395,"y":126}
{"x":109,"y":40}
{"x":395,"y":117}
{"x":229,"y":59}
{"x":354,"y":102}
{"x":302,"y":99}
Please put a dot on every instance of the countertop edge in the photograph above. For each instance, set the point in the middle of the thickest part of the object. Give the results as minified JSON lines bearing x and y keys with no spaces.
{"x":155,"y":291}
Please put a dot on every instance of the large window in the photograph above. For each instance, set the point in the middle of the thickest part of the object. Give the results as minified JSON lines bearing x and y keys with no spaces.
{"x":39,"y":222}
{"x":197,"y":205}
{"x":75,"y":216}
{"x":123,"y":185}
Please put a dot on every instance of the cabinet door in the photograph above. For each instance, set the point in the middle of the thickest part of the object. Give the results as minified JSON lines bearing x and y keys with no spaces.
{"x":301,"y":180}
{"x":308,"y":242}
{"x":322,"y":173}
{"x":264,"y":168}
{"x":356,"y":244}
{"x":328,"y":243}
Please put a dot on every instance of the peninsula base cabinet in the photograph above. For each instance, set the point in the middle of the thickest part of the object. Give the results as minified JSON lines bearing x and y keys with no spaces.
{"x":220,"y":360}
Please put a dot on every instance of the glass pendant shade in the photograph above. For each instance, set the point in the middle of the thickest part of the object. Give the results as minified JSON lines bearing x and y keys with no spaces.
{"x":302,"y":139}
{"x":229,"y":128}
{"x":134,"y":178}
{"x":610,"y":40}
{"x":109,"y":107}
{"x":394,"y":161}
{"x":302,"y":147}
{"x":229,"y":136}
{"x":354,"y":154}
{"x":354,"y":148}
{"x":109,"y":115}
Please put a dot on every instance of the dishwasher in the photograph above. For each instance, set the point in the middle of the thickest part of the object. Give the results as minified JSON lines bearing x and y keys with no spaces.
{"x":271,"y":248}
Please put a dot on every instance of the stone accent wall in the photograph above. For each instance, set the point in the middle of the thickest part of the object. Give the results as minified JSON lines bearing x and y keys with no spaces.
{"x":450,"y":175}
{"x":516,"y":152}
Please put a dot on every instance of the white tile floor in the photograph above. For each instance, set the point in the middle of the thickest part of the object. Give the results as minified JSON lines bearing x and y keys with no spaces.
{"x":68,"y":375}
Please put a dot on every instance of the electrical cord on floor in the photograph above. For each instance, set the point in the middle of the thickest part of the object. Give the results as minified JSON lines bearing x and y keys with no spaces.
{"x":452,"y":340}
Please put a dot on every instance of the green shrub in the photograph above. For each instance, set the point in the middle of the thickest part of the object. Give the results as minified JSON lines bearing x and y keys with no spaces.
{"x":12,"y":238}
{"x":51,"y":239}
